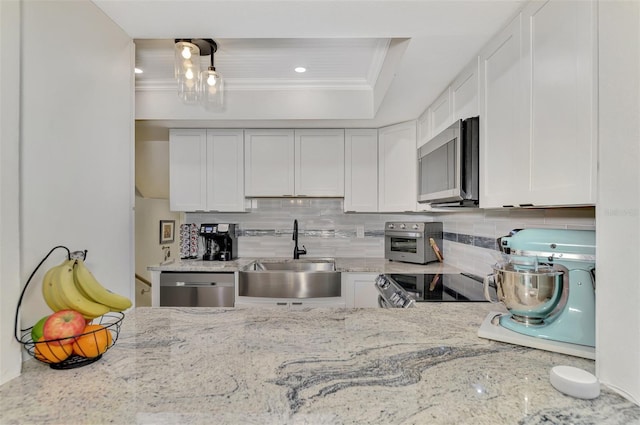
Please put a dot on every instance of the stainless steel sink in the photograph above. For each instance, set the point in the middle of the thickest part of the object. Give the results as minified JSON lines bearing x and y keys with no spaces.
{"x":297,"y":266}
{"x":290,"y":279}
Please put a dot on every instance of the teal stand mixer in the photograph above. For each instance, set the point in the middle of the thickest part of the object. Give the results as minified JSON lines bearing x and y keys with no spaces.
{"x":546,"y":280}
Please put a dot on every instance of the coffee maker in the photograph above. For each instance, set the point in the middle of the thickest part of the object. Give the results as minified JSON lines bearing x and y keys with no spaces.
{"x":220,"y":242}
{"x":546,"y":280}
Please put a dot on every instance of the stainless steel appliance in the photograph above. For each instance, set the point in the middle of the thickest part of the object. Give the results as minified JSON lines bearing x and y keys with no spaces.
{"x":290,"y":279}
{"x":547,"y":282}
{"x":220,"y":242}
{"x":178,"y":289}
{"x":448,"y":166}
{"x":402,"y":290}
{"x":409,"y":241}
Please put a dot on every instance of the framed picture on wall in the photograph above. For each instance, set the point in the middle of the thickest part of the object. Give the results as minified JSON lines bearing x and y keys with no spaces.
{"x":167,"y":231}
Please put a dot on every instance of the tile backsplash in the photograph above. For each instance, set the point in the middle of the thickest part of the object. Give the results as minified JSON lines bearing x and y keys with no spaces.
{"x":325,"y":230}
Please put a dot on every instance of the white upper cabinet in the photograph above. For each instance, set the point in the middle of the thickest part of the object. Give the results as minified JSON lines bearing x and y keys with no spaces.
{"x":560,"y":42}
{"x":464,"y":92}
{"x":225,"y":170}
{"x":439,"y":113}
{"x":294,"y":163}
{"x":538,"y":108}
{"x":269,"y":162}
{"x":423,"y":129}
{"x":397,"y":168}
{"x":361,"y":170}
{"x":187,"y":170}
{"x":319,"y":162}
{"x":503,"y":146}
{"x":206,"y":170}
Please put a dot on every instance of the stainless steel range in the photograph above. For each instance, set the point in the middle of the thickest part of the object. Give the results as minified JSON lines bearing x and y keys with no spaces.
{"x":403,"y":290}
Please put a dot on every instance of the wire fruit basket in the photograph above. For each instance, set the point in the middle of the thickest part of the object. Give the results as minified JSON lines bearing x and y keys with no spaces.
{"x":99,"y":335}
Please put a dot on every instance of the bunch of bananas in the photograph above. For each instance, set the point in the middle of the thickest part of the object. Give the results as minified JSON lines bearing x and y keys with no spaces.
{"x":71,"y":286}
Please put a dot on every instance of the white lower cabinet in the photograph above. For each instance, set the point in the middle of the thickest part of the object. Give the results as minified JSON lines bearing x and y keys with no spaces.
{"x":290,"y":304}
{"x":360,"y":290}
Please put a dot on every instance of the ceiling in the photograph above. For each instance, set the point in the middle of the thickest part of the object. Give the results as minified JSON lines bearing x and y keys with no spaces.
{"x":369,"y":63}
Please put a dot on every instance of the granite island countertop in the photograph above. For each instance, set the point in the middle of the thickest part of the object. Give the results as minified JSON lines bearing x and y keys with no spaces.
{"x":315,"y":366}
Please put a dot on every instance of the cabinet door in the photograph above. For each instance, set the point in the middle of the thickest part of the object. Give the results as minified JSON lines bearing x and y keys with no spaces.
{"x":187,"y":169}
{"x":360,"y":289}
{"x":397,"y":175}
{"x":262,"y":302}
{"x":361,"y":171}
{"x":225,"y":171}
{"x":338,"y":302}
{"x":440,"y":113}
{"x":464,"y":92}
{"x":423,"y":129}
{"x":268,"y":162}
{"x":559,"y":62}
{"x":503,"y":143}
{"x":319,"y":163}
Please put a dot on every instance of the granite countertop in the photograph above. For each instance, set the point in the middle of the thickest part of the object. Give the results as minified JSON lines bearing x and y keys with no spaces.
{"x":343,"y":264}
{"x":314,"y":366}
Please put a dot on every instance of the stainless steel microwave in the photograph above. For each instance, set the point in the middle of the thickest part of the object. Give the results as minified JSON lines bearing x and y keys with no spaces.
{"x":448,"y":166}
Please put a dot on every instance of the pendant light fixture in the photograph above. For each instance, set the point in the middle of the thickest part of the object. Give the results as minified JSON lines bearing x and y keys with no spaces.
{"x":187,"y":67}
{"x":196,"y":86}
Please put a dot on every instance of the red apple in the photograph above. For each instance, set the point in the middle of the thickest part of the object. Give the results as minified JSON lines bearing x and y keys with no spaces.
{"x":63,"y":326}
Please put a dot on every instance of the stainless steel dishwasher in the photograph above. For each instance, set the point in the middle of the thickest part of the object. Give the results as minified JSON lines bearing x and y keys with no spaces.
{"x":197,"y":289}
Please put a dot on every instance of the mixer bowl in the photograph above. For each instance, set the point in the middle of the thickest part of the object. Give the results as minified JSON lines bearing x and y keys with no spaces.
{"x":530,"y":295}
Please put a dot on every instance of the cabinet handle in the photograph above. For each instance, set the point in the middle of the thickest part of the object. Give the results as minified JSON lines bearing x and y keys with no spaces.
{"x":298,"y":303}
{"x":281,"y":303}
{"x":526,"y":205}
{"x":350,"y":211}
{"x":507,"y":206}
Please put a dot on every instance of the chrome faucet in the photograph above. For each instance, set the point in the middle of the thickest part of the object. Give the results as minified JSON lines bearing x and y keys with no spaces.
{"x":297,"y":252}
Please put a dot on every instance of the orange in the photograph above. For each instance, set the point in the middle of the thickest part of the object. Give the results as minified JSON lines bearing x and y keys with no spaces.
{"x":94,"y":341}
{"x":51,"y":353}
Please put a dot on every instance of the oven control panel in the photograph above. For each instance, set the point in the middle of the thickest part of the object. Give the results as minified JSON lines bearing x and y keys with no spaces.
{"x":391,"y":294}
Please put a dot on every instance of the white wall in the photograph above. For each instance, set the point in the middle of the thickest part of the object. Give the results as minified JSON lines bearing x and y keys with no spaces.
{"x":149,"y":251}
{"x":9,"y":176}
{"x":152,"y":162}
{"x":76,"y":147}
{"x":618,"y":212}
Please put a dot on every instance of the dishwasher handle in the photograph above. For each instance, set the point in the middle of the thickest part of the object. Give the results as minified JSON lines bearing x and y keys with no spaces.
{"x":198,"y":284}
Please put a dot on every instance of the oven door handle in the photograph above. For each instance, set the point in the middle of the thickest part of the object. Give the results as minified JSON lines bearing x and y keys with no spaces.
{"x":404,"y":234}
{"x":382,"y":303}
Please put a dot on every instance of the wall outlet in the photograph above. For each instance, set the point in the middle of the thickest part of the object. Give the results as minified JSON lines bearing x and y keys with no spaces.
{"x":360,"y":231}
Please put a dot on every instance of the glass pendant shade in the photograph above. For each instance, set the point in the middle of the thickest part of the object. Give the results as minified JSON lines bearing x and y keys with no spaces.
{"x":211,"y":89}
{"x":187,"y":68}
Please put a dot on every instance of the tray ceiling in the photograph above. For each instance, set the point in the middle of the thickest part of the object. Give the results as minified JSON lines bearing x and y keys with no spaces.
{"x":370,"y":62}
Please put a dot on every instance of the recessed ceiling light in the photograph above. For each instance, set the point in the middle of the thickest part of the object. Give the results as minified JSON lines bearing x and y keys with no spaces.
{"x":300,"y":69}
{"x":138,"y":71}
